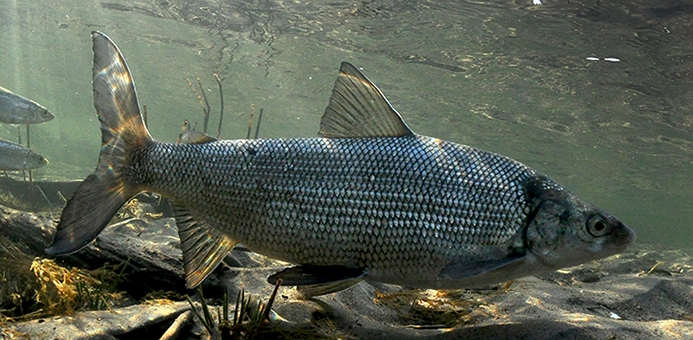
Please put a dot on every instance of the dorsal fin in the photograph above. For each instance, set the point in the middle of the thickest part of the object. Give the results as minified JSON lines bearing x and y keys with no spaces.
{"x":203,"y":246}
{"x":357,"y":108}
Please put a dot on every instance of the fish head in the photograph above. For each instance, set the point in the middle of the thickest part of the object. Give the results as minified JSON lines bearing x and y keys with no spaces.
{"x":41,"y":114}
{"x":35,"y":161}
{"x":564,"y":231}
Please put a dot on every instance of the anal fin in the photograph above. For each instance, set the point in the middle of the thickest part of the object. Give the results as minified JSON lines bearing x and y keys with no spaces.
{"x":203,"y":246}
{"x":318,"y":280}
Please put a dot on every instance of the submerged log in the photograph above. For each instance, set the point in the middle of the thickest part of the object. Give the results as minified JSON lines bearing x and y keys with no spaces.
{"x":36,"y":196}
{"x":143,"y":321}
{"x":33,"y":230}
{"x":148,"y":245}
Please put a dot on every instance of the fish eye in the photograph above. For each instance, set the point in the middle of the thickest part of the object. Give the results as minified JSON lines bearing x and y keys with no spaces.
{"x":597,"y":226}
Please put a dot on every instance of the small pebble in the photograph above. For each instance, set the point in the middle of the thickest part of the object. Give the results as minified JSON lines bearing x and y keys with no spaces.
{"x":614,"y":316}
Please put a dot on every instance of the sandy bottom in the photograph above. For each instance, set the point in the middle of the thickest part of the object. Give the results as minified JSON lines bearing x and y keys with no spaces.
{"x":643,"y":294}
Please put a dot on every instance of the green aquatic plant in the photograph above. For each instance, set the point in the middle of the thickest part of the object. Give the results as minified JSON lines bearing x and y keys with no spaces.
{"x":204,"y":103}
{"x":99,"y":296}
{"x":206,"y":109}
{"x":17,"y":282}
{"x":248,"y":320}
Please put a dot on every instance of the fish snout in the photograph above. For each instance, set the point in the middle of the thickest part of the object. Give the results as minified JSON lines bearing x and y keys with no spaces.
{"x":620,"y":236}
{"x":45,"y":115}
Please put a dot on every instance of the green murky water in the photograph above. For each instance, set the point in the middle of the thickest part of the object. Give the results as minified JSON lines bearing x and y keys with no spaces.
{"x":506,"y":76}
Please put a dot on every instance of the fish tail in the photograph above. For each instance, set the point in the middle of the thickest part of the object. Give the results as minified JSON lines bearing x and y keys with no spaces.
{"x":124,"y":134}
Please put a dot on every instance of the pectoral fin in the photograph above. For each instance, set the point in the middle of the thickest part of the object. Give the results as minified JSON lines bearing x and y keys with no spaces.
{"x":458,"y":270}
{"x":203,"y":246}
{"x":318,"y":280}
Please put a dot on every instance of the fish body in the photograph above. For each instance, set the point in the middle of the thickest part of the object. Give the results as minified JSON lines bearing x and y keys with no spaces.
{"x":14,"y":157}
{"x":15,"y":109}
{"x":403,"y":208}
{"x":367,"y":200}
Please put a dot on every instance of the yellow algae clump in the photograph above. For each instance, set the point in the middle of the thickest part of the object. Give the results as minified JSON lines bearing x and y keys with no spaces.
{"x":63,"y":290}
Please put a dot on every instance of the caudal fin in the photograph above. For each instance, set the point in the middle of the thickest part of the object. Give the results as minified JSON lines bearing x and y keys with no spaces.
{"x":123,"y":132}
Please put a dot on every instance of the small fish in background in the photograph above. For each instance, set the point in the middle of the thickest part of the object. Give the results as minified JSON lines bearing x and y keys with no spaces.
{"x":15,"y":157}
{"x":367,"y":200}
{"x":15,"y":109}
{"x":192,"y":136}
